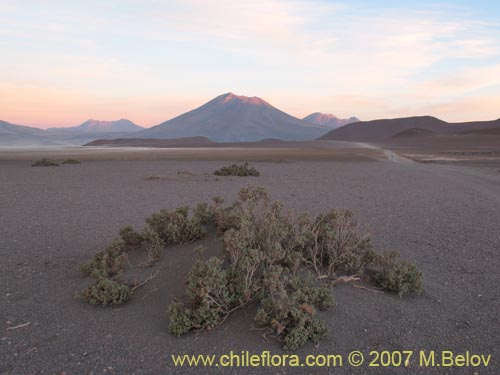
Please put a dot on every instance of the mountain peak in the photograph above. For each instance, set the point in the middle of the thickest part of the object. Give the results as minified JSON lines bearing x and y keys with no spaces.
{"x":92,"y":125}
{"x":236,"y":118}
{"x":327,"y":119}
{"x":231,"y":98}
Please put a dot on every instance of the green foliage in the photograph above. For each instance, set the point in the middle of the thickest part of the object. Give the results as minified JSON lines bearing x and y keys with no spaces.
{"x":174,"y":227}
{"x":226,"y":218}
{"x":44,"y":163}
{"x":398,"y":275}
{"x":203,"y":213}
{"x":214,"y":291}
{"x":181,"y":319}
{"x":131,"y":239}
{"x":71,"y":161}
{"x":269,"y":259}
{"x":108,"y":266}
{"x":264,"y":249}
{"x":108,"y":263}
{"x":292,"y":313}
{"x":153,"y":246}
{"x":106,"y":292}
{"x":237,"y":170}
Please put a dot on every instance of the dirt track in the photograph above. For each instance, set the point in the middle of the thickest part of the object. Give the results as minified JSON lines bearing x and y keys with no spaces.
{"x":443,"y":217}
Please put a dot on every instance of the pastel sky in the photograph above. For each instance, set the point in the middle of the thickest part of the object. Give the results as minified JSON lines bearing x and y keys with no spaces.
{"x":62,"y":62}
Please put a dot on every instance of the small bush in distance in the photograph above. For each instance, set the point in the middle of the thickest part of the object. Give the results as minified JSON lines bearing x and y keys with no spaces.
{"x":44,"y":163}
{"x":237,"y":170}
{"x":71,"y":161}
{"x":398,"y":275}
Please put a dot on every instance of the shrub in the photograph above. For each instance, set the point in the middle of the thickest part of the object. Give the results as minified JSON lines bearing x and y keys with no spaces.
{"x":108,"y":263}
{"x":226,"y":218}
{"x":269,"y":259}
{"x":203,"y":213}
{"x":108,"y":266}
{"x":330,"y":244}
{"x":398,"y":275}
{"x":44,"y":163}
{"x":174,"y":227}
{"x":153,"y":246}
{"x":264,"y":249}
{"x":292,"y":315}
{"x":214,"y":291}
{"x":106,"y":292}
{"x":71,"y":161}
{"x":131,"y":239}
{"x":237,"y":170}
{"x":181,"y":320}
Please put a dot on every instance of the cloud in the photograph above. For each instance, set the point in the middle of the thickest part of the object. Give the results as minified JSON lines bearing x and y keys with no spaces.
{"x":369,"y":61}
{"x":460,"y":82}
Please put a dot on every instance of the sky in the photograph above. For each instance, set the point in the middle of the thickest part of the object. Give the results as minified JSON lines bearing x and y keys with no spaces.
{"x":62,"y":62}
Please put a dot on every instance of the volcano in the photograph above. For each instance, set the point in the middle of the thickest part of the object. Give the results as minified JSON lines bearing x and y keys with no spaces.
{"x":234,"y":118}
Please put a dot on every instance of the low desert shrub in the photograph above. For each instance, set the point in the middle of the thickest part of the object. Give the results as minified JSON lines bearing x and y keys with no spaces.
{"x":44,"y":163}
{"x":265,"y":251}
{"x":331,"y":244}
{"x":203,"y":213}
{"x":153,"y":245}
{"x":291,"y":315}
{"x":271,"y":258}
{"x":71,"y":161}
{"x":214,"y":292}
{"x":237,"y":170}
{"x":108,"y":263}
{"x":107,"y":267}
{"x":106,"y":292}
{"x":398,"y":275}
{"x":175,"y":227}
{"x":131,"y":239}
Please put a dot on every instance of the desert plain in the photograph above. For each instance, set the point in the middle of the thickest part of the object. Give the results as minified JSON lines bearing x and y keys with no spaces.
{"x":442,"y":214}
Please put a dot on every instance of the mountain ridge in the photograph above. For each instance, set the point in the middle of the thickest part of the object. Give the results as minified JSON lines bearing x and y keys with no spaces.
{"x":235,"y":118}
{"x":100,"y":126}
{"x":328,"y":119}
{"x":378,"y":130}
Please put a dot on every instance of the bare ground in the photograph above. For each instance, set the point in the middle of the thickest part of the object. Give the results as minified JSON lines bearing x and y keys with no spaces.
{"x":443,"y":217}
{"x":471,"y":149}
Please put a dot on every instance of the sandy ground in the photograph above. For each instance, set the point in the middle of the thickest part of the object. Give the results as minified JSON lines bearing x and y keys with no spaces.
{"x":280,"y":151}
{"x":443,"y":217}
{"x":448,"y":149}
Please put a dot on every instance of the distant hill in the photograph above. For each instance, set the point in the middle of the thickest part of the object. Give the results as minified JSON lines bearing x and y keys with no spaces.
{"x":153,"y":142}
{"x":25,"y":136}
{"x":19,"y":135}
{"x":413,"y":132}
{"x":379,"y":130}
{"x":484,"y":131}
{"x":329,"y":120}
{"x":98,"y":127}
{"x":233,"y":118}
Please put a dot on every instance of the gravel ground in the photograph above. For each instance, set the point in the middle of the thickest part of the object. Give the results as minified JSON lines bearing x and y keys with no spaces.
{"x":445,"y":218}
